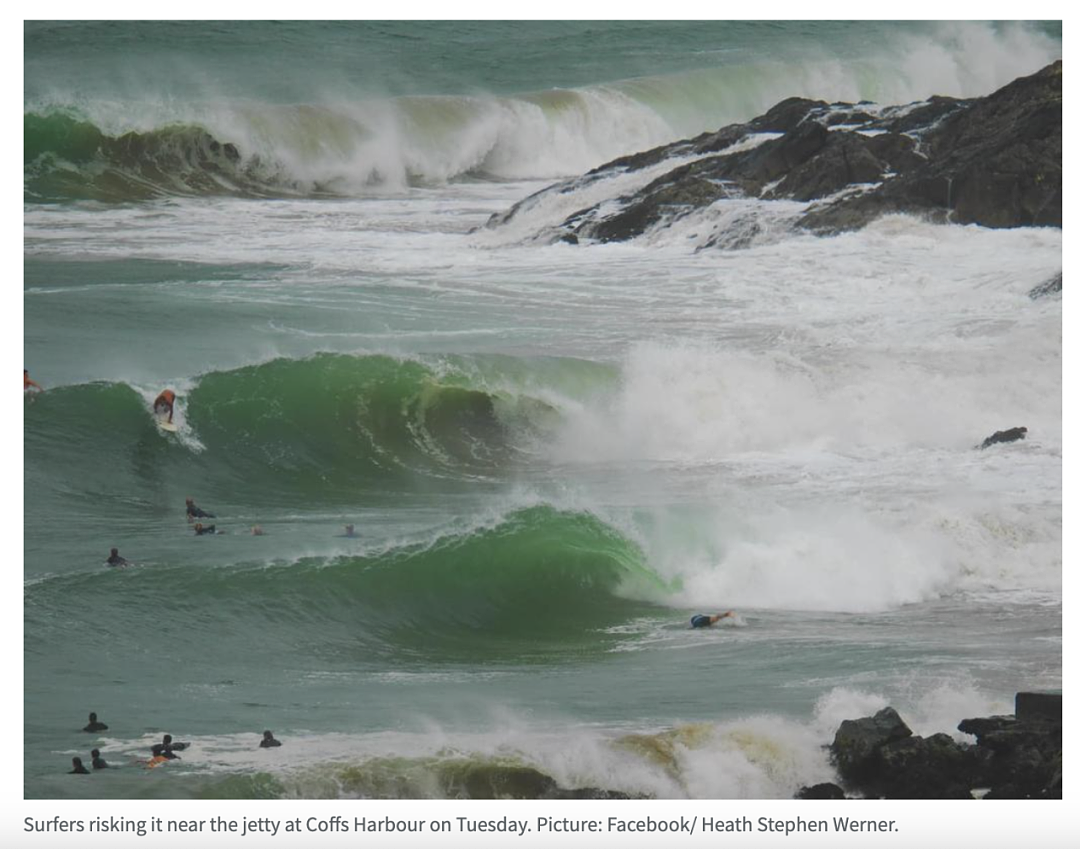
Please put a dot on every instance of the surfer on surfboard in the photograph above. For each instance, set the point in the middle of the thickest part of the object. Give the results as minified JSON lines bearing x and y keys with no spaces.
{"x":164,"y":404}
{"x":704,"y":620}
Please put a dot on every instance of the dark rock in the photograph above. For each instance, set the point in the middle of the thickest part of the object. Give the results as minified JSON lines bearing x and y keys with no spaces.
{"x":936,"y":767}
{"x":1036,"y":707}
{"x":1049,"y":287}
{"x":821,"y":791}
{"x":1015,"y":757}
{"x":1010,"y":435}
{"x":787,"y":115}
{"x":993,"y":161}
{"x":857,"y":741}
{"x":982,"y":726}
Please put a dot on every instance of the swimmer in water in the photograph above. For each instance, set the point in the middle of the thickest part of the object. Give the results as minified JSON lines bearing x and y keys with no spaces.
{"x":94,"y":725}
{"x":202,"y":530}
{"x":98,"y":761}
{"x":257,"y":531}
{"x":704,"y":620}
{"x":165,"y":748}
{"x":194,"y":511}
{"x":164,"y":404}
{"x":268,"y":741}
{"x":350,"y":530}
{"x":79,"y":768}
{"x":115,"y":559}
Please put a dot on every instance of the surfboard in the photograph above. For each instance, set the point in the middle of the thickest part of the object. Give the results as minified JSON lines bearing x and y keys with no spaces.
{"x":167,"y":426}
{"x":156,"y":761}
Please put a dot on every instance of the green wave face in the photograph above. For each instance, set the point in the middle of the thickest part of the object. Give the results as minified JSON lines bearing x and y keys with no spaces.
{"x":539,"y":583}
{"x":311,"y":427}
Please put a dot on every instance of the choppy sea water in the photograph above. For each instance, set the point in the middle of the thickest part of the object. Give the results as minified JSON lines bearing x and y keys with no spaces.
{"x":553,"y":455}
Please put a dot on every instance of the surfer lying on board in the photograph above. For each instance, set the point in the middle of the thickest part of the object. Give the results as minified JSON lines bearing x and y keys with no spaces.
{"x":164,"y":403}
{"x":194,"y":511}
{"x":167,"y":748}
{"x":202,"y":530}
{"x":704,"y":620}
{"x":115,"y":559}
{"x":269,"y":741}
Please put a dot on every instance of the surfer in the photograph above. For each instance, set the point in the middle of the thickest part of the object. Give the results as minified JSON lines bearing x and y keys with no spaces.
{"x":29,"y":385}
{"x":268,"y":741}
{"x":203,"y":530}
{"x":98,"y":761}
{"x":79,"y":768}
{"x":704,"y":620}
{"x":164,"y":404}
{"x":1010,"y":435}
{"x":94,"y":724}
{"x":257,"y":531}
{"x":115,"y":559}
{"x":350,"y":531}
{"x":194,"y":511}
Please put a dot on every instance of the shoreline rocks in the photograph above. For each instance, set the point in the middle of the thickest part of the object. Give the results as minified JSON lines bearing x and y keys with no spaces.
{"x":1014,"y":757}
{"x":995,"y":161}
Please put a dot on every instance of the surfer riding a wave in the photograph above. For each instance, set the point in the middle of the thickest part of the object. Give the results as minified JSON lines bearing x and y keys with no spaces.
{"x":164,"y":404}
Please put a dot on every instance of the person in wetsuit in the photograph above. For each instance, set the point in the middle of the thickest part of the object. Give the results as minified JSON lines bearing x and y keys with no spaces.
{"x":98,"y":761}
{"x":268,"y":741}
{"x":164,"y":404}
{"x":79,"y":768}
{"x":704,"y":620}
{"x":194,"y":511}
{"x":201,"y":529}
{"x":94,"y":725}
{"x":165,"y":748}
{"x":350,"y":531}
{"x":115,"y":559}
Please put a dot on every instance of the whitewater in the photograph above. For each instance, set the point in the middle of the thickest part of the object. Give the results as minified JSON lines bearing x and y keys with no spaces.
{"x":553,"y":454}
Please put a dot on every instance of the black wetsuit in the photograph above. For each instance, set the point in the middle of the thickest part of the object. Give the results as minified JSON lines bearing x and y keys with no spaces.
{"x":96,"y":726}
{"x":701,"y":620}
{"x":209,"y":529}
{"x":116,"y":561}
{"x":99,"y":763}
{"x":195,"y":512}
{"x":79,"y":770}
{"x":269,"y":744}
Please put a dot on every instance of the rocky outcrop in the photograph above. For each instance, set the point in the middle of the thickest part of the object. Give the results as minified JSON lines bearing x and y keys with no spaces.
{"x":994,"y":161}
{"x":1047,"y":288}
{"x":1014,"y":757}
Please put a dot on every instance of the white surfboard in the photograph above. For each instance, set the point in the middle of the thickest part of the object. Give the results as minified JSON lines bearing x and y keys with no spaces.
{"x":167,"y":426}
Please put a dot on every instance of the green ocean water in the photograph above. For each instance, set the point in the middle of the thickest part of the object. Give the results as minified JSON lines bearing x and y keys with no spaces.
{"x":553,"y":456}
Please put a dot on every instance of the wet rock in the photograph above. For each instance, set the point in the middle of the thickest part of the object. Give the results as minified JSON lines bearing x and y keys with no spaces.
{"x":821,"y":791}
{"x":1048,"y":288}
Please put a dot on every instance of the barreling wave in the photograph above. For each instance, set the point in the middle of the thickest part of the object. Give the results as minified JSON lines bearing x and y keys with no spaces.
{"x":533,"y":582}
{"x":310,"y":424}
{"x":162,"y":146}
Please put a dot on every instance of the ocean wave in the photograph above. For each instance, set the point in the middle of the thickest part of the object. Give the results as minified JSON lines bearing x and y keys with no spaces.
{"x":77,"y":147}
{"x":535,"y":581}
{"x":326,"y":419}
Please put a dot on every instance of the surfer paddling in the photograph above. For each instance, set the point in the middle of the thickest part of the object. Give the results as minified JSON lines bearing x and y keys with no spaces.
{"x":705,"y":620}
{"x":164,"y":404}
